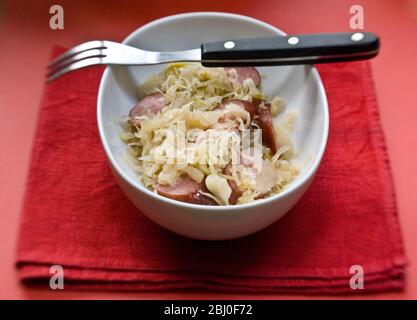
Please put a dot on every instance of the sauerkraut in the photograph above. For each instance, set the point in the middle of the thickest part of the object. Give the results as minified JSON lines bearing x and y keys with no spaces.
{"x":203,"y":123}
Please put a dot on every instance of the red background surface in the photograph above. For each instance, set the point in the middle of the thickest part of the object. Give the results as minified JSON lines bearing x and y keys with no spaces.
{"x":25,"y":42}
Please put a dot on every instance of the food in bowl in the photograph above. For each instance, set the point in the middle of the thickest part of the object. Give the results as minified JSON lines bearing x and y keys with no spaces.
{"x":206,"y":136}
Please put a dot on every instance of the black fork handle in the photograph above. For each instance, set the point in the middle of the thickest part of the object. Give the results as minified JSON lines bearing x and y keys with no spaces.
{"x":291,"y":50}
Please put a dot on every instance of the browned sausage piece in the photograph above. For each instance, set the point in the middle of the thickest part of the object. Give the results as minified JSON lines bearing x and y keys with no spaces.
{"x":249,"y":107}
{"x":236,"y":192}
{"x":185,"y":190}
{"x":199,"y":198}
{"x":264,"y":181}
{"x":244,"y":73}
{"x":264,"y":120}
{"x":151,"y":104}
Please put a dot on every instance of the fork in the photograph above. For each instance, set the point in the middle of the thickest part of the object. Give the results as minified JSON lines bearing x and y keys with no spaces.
{"x":111,"y":53}
{"x":268,"y":51}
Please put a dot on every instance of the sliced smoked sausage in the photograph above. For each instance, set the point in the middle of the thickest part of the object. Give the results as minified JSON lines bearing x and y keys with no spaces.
{"x":264,"y":120}
{"x":149,"y":105}
{"x":244,"y":73}
{"x":185,"y":190}
{"x":249,"y":107}
{"x":236,"y":192}
{"x":265,"y":180}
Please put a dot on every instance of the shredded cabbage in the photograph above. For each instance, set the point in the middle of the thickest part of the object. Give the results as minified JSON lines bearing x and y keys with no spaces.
{"x":194,"y":135}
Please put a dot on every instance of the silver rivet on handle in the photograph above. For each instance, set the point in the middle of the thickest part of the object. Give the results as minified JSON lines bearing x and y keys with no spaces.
{"x":229,"y":44}
{"x":357,"y":36}
{"x":293,"y":41}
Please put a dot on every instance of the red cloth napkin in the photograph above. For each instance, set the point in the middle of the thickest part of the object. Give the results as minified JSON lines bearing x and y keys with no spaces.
{"x":76,"y":216}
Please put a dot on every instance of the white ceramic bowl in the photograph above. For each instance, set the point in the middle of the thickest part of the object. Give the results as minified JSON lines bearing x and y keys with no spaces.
{"x":300,"y":86}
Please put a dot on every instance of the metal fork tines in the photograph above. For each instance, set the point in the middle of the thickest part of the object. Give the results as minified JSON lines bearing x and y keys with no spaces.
{"x":81,"y":56}
{"x":108,"y":53}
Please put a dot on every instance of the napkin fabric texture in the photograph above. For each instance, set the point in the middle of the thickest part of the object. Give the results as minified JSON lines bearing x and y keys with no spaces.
{"x":75,"y":215}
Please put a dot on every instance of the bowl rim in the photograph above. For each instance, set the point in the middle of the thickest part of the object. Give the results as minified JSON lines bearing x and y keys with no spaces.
{"x":294,"y":186}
